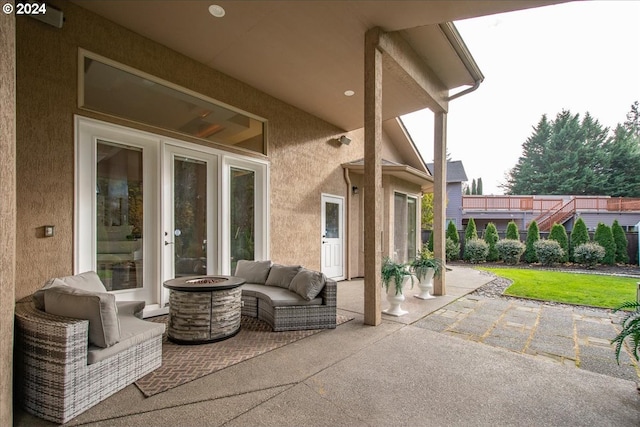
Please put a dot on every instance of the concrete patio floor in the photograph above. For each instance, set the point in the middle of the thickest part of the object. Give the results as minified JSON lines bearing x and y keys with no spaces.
{"x":399,"y":373}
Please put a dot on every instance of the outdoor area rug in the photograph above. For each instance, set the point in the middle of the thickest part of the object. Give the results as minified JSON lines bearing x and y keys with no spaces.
{"x":184,"y":363}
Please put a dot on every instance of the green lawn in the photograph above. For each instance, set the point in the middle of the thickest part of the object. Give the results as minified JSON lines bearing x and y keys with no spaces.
{"x":571,"y":288}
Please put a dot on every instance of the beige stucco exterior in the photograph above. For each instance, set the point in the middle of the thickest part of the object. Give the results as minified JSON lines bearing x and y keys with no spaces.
{"x":7,"y":213}
{"x":305,"y":160}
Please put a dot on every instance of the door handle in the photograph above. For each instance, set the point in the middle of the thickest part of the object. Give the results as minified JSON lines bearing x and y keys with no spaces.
{"x":167,"y":243}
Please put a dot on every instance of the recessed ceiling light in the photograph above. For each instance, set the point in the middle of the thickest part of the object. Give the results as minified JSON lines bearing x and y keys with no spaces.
{"x":216,"y":10}
{"x":349,"y":93}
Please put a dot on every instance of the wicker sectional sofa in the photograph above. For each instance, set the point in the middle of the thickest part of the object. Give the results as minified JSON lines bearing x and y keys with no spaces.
{"x":63,"y":366}
{"x":288,"y":298}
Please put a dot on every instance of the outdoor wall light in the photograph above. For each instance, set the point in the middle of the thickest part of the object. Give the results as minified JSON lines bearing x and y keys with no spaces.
{"x":344,"y":140}
{"x":355,"y":190}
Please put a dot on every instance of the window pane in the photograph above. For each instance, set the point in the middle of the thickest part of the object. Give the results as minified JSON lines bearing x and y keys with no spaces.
{"x":111,"y":90}
{"x":332,"y":220}
{"x":412,"y":212}
{"x":242,"y":214}
{"x":119,"y":219}
{"x":400,"y":228}
{"x":190,"y":216}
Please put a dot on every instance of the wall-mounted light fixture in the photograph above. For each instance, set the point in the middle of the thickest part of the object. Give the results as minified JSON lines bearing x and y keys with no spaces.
{"x":344,"y":140}
{"x":355,"y":190}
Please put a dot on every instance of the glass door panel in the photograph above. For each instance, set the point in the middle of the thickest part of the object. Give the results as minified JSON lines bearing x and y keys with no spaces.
{"x":119,"y":219}
{"x":190,"y":216}
{"x":242,"y":215}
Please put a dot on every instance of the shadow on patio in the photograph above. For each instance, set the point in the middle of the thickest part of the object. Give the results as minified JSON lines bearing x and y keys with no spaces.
{"x":397,"y":373}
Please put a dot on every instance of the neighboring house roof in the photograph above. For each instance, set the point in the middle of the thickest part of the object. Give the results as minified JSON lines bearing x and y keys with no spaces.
{"x":308,"y":54}
{"x":455,"y":171}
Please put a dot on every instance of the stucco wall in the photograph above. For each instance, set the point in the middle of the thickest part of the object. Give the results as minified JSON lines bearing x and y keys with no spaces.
{"x":7,"y":212}
{"x":304,"y":161}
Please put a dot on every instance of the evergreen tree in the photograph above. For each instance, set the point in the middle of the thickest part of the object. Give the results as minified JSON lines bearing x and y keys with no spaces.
{"x":512,"y":231}
{"x":474,"y":189}
{"x":491,"y":237}
{"x":620,"y":238}
{"x":633,"y":119}
{"x":452,"y":233}
{"x":533,"y":235}
{"x":479,"y":187}
{"x":470,"y":232}
{"x":526,"y":175}
{"x":579,"y":235}
{"x":604,"y":237}
{"x":622,"y":164}
{"x":453,"y":242}
{"x":466,"y":190}
{"x":570,"y":155}
{"x":559,"y":234}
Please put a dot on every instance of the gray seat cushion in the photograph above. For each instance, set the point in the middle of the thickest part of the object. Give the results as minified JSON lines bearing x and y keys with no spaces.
{"x":307,"y":284}
{"x":282,"y":275}
{"x":87,"y":281}
{"x":253,"y":271}
{"x":134,"y":331}
{"x":276,"y":296}
{"x":99,"y":308}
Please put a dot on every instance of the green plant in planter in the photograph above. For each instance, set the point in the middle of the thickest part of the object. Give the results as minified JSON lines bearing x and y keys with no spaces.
{"x":630,"y":328}
{"x":423,"y":262}
{"x":398,"y":271}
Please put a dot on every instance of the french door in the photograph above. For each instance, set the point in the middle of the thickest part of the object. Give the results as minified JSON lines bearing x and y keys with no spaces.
{"x":189,"y":235}
{"x":149,"y":209}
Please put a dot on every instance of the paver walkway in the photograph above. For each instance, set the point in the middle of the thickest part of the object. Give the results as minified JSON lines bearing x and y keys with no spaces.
{"x":568,"y":335}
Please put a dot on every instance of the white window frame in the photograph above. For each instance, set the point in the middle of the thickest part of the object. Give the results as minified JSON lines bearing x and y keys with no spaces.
{"x":153,"y":164}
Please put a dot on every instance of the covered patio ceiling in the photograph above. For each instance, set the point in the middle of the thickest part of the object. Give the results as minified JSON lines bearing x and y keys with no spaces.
{"x":308,"y":53}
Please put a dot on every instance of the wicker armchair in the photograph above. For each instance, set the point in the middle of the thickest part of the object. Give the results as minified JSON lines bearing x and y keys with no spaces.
{"x":55,"y":381}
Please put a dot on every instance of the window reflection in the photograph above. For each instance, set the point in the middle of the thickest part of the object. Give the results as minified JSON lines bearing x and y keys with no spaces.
{"x":242,"y":214}
{"x":113,"y":91}
{"x":119,"y":216}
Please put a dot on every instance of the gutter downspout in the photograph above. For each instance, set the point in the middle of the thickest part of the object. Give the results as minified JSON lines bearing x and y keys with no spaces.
{"x":347,"y":239}
{"x":451,"y":33}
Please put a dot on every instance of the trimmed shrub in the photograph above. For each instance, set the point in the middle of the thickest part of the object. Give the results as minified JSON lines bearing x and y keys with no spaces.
{"x":510,"y":250}
{"x":588,"y":254}
{"x":604,"y":237}
{"x":475,"y":251}
{"x":512,"y":231}
{"x":559,"y":234}
{"x":548,"y":252}
{"x":452,"y":250}
{"x":491,"y":237}
{"x":470,"y":232}
{"x":579,"y":235}
{"x":619,"y":236}
{"x":533,"y":235}
{"x":452,"y":233}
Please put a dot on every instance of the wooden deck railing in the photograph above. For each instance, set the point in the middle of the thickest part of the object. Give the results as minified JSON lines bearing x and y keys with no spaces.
{"x":529,"y":203}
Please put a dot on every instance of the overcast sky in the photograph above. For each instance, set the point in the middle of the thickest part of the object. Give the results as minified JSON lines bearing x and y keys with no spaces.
{"x":579,"y":56}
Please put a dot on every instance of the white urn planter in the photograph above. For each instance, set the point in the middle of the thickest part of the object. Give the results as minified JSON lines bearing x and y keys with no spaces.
{"x":395,"y":299}
{"x":425,"y":283}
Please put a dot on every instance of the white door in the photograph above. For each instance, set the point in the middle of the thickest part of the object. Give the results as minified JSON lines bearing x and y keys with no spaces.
{"x":190,"y":224}
{"x":332,"y":234}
